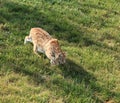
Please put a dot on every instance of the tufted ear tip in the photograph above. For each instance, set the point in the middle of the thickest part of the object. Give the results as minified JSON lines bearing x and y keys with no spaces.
{"x":56,"y":39}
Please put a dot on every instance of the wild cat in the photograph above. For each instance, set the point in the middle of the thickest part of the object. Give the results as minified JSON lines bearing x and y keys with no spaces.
{"x":44,"y":43}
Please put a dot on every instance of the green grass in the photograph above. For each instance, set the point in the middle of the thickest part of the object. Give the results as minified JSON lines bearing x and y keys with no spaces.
{"x":88,"y":31}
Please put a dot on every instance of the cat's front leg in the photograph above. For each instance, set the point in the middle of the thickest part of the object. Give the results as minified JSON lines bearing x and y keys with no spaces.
{"x":52,"y":62}
{"x":35,"y":50}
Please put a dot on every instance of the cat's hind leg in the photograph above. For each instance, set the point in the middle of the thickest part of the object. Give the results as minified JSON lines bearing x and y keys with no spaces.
{"x":27,"y":39}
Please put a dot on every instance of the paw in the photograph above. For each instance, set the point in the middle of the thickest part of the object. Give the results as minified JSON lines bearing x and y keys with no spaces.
{"x":52,"y":62}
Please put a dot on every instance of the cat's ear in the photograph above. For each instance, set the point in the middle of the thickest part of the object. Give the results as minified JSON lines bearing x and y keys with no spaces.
{"x":54,"y":42}
{"x":55,"y":39}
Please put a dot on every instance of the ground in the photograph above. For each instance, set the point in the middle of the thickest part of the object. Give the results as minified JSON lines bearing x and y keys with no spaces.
{"x":89,"y":33}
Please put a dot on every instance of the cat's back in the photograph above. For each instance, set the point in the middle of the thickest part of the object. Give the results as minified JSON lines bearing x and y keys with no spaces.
{"x":39,"y":31}
{"x":38,"y":34}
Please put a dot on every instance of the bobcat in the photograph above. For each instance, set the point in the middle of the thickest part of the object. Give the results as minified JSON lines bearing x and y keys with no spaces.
{"x":44,"y":43}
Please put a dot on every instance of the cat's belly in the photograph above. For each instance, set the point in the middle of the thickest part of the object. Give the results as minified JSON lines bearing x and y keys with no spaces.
{"x":40,"y":50}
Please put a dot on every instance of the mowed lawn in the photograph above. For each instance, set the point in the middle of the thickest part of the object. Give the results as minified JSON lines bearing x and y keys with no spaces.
{"x":89,"y":33}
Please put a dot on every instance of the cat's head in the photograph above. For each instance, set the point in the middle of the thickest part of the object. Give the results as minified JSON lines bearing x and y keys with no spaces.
{"x":61,"y":58}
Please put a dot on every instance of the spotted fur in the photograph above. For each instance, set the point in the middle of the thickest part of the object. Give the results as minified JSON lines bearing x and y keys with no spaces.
{"x":44,"y":43}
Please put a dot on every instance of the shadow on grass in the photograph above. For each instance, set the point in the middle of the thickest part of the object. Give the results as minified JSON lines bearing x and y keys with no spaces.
{"x":70,"y":70}
{"x":77,"y":73}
